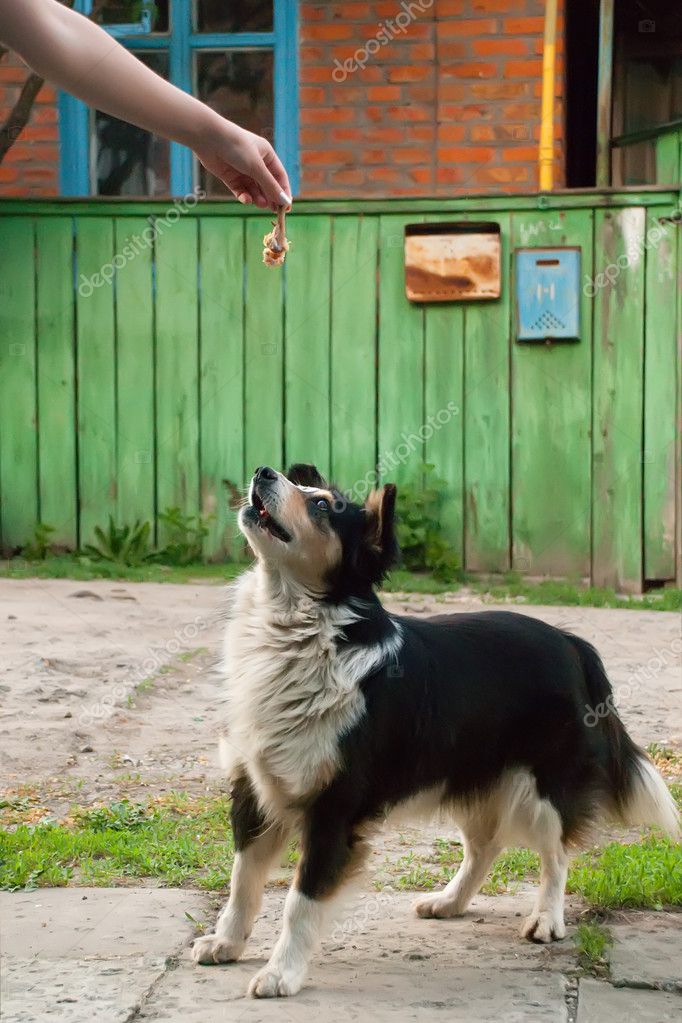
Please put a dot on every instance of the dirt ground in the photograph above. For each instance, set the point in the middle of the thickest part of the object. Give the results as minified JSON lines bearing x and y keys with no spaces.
{"x":103,"y":680}
{"x":110,"y":689}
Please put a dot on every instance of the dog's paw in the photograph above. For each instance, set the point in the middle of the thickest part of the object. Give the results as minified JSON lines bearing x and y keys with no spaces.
{"x":435,"y":906}
{"x":212,"y":949}
{"x":543,"y":927}
{"x":271,"y":982}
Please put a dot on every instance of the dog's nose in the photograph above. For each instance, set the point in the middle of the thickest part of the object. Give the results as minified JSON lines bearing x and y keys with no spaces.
{"x":264,"y":472}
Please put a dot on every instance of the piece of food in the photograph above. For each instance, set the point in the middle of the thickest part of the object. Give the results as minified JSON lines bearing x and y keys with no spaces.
{"x":276,"y":244}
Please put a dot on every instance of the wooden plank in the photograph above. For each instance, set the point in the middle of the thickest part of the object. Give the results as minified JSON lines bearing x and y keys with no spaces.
{"x":177,"y":369}
{"x":443,"y":420}
{"x":400,"y":362}
{"x":353,"y":351}
{"x":264,"y":356}
{"x":307,"y":341}
{"x":135,"y":371}
{"x":604,"y":89}
{"x":551,"y":420}
{"x":96,"y":375}
{"x":18,"y":429}
{"x":221,"y":305}
{"x":55,"y":307}
{"x":668,"y":156}
{"x":660,"y":398}
{"x":618,"y":392}
{"x":487,"y":425}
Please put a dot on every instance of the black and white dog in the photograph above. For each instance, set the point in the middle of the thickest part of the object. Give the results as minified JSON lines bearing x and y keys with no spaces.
{"x":338,"y":712}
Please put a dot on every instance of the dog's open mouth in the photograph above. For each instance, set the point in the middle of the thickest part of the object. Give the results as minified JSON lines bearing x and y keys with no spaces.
{"x":266,"y":520}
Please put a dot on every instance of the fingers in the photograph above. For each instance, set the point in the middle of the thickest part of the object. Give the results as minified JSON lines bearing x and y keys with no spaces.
{"x":270,"y":175}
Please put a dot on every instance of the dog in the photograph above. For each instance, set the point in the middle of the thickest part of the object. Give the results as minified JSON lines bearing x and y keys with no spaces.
{"x":339,"y":712}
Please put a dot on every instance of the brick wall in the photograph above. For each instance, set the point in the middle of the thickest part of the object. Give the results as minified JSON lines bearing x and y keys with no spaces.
{"x":422,"y":97}
{"x":31,"y":168}
{"x":447,"y":101}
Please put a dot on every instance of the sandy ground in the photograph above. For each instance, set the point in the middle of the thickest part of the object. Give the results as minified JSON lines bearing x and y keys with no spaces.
{"x":110,"y":688}
{"x":101,"y":679}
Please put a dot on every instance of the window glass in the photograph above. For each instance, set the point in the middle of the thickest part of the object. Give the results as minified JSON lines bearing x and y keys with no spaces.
{"x":128,"y":160}
{"x":127,"y":12}
{"x":235,"y":16}
{"x":238,"y":84}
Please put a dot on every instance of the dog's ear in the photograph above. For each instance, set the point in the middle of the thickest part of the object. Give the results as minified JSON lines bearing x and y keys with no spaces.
{"x":304,"y":475}
{"x":380,"y":531}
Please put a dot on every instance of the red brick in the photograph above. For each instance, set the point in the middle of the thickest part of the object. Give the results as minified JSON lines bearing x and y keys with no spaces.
{"x":506,"y":47}
{"x":315,"y":74}
{"x":312,"y":136}
{"x":472,"y":27}
{"x":503,"y":175}
{"x":451,"y":132}
{"x":451,"y":51}
{"x":17,"y":74}
{"x":382,"y":173}
{"x":409,"y":155}
{"x":523,"y":69}
{"x":346,"y":134}
{"x":353,"y":11}
{"x":383,"y":93}
{"x":415,"y":112}
{"x":449,"y":8}
{"x":348,"y":176}
{"x":494,"y":6}
{"x":499,"y":90}
{"x":8,"y":174}
{"x":519,"y":154}
{"x":318,"y":156}
{"x":524,"y":26}
{"x":474,"y":70}
{"x":37,"y":173}
{"x":409,"y":73}
{"x":421,"y":175}
{"x":326,"y":33}
{"x":311,"y":94}
{"x":327,"y":115}
{"x":465,"y":154}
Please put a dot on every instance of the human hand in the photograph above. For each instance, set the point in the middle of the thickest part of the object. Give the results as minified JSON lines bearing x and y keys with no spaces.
{"x":245,"y":162}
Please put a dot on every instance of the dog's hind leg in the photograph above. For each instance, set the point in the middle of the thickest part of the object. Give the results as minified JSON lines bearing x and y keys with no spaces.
{"x":257,"y":846}
{"x":546,"y":922}
{"x":479,"y":853}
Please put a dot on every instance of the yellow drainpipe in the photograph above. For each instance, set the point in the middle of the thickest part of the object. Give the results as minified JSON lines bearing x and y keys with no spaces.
{"x":546,"y":152}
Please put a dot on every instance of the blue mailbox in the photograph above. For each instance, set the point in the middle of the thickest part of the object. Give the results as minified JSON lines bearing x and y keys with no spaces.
{"x":547,"y":294}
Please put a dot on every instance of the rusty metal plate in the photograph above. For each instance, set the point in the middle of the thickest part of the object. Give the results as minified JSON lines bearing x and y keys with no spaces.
{"x":452,"y":262}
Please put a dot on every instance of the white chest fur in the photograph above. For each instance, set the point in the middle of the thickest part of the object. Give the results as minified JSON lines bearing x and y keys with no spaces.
{"x":290,"y":694}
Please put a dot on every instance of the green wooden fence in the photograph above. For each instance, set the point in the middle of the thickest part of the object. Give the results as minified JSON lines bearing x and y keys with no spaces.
{"x":196,"y":364}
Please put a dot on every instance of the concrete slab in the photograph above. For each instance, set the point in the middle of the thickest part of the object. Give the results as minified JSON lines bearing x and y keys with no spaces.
{"x":599,"y":1002}
{"x":648,"y":953}
{"x":82,"y":954}
{"x":382,"y":956}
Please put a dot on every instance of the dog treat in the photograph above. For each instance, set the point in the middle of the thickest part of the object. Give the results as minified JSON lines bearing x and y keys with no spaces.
{"x":276,"y":244}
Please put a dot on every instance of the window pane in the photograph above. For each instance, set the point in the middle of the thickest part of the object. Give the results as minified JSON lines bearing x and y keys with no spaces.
{"x":236,"y":16}
{"x":238,"y":84}
{"x":125,"y":12}
{"x":128,"y":160}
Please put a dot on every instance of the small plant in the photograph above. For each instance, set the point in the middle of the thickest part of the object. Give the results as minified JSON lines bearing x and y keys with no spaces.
{"x":185,"y":537}
{"x":120,"y":816}
{"x":419,"y":508}
{"x":39,"y":547}
{"x":122,"y":545}
{"x":593,"y":943}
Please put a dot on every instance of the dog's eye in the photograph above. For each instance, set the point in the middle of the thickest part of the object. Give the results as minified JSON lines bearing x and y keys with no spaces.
{"x":322,"y":505}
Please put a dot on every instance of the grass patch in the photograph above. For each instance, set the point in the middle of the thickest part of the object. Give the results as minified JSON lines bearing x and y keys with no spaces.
{"x":510,"y":588}
{"x":593,"y":942}
{"x":82,"y":569}
{"x":176,"y":840}
{"x":645,"y":875}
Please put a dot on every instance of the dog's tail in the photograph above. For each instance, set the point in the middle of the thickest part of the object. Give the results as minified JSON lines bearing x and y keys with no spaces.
{"x":637,"y":793}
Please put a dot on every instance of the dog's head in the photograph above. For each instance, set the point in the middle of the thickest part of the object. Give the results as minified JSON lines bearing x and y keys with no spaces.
{"x":304,"y":528}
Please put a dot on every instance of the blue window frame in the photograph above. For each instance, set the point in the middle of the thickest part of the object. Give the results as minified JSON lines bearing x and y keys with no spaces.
{"x":181,"y":45}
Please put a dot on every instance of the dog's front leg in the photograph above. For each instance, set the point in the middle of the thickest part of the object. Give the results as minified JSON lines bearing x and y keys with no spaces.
{"x":330,"y":853}
{"x":257,"y":845}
